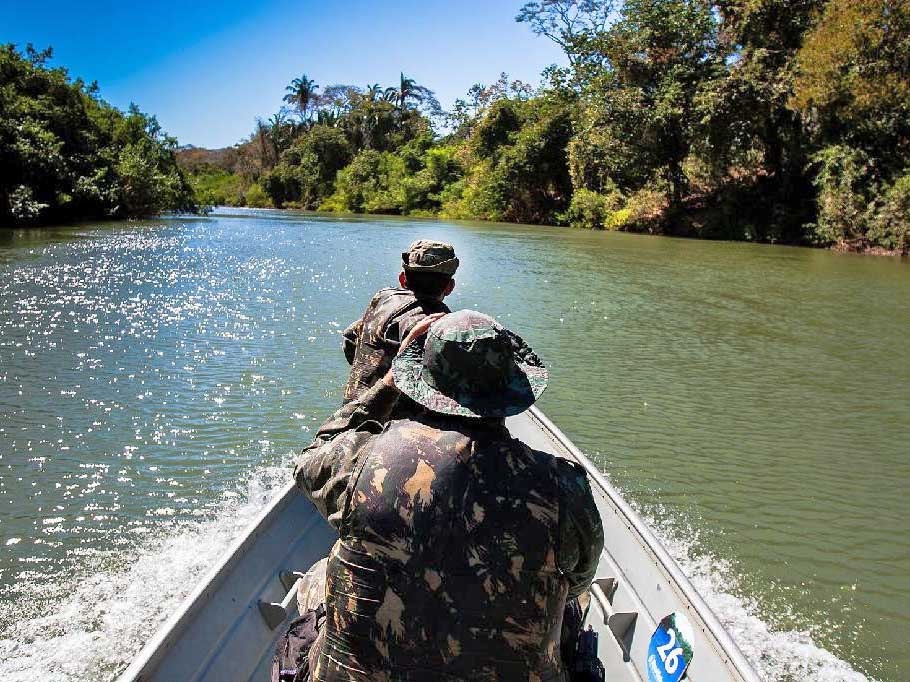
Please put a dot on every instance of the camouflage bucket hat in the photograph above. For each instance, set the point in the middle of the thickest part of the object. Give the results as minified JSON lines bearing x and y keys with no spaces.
{"x":426,"y":255}
{"x":469,"y":365}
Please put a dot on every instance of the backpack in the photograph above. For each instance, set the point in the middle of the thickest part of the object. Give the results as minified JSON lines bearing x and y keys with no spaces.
{"x":291,"y":662}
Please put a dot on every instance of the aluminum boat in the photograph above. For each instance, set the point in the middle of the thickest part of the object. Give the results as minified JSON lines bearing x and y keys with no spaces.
{"x":227,"y":628}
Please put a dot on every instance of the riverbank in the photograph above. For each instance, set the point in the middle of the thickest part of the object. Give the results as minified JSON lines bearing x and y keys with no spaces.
{"x":853,"y":247}
{"x":856,"y":247}
{"x":864,"y":248}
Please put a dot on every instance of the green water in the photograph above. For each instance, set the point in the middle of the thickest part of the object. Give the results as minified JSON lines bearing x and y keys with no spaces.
{"x":752,"y":401}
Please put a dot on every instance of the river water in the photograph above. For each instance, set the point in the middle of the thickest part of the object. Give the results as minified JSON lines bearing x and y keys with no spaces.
{"x":155,"y":379}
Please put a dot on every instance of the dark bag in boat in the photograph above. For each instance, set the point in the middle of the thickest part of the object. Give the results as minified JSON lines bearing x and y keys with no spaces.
{"x":291,"y":662}
{"x":573,"y":618}
{"x":578,"y":646}
{"x":586,"y":667}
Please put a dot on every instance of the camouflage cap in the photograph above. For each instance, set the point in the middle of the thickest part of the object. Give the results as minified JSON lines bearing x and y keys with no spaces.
{"x":470,"y":365}
{"x":426,"y":255}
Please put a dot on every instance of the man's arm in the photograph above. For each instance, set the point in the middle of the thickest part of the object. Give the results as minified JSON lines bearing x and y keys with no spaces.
{"x":581,"y":535}
{"x":349,"y":339}
{"x":323,"y":470}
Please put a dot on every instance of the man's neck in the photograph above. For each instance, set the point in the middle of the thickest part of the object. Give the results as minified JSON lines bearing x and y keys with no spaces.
{"x":424,"y":297}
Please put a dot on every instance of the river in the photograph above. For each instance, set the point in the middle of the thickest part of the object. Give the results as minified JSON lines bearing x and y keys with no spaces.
{"x":156,"y":378}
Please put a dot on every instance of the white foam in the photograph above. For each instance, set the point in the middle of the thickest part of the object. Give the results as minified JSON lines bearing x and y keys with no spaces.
{"x":777,"y":655}
{"x":95,"y":631}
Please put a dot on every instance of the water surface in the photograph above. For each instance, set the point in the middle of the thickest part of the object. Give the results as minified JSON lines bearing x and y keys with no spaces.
{"x":155,"y":379}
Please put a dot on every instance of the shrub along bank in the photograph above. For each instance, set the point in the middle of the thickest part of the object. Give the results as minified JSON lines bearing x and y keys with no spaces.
{"x":65,"y":154}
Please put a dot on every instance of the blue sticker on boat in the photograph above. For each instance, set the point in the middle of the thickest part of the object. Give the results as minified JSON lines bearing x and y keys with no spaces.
{"x":670,"y":650}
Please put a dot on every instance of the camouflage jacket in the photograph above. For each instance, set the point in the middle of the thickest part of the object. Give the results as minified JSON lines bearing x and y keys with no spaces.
{"x":458,"y":547}
{"x":371,"y":342}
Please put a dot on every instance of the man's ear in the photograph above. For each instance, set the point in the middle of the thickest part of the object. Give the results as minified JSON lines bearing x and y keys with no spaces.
{"x":403,"y":280}
{"x":449,"y":288}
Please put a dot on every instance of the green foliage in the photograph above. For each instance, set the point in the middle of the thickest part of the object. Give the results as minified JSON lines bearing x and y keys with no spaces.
{"x":370,"y":184}
{"x":595,"y":211}
{"x":407,"y":182}
{"x":517,"y":164}
{"x":843,"y":174}
{"x":653,"y":62}
{"x":65,"y":154}
{"x":854,"y":82}
{"x":890,"y":224}
{"x":643,"y":210}
{"x":217,"y":187}
{"x":855,"y":211}
{"x":255,"y":197}
{"x":759,"y":119}
{"x":306,"y":174}
{"x":852,"y":89}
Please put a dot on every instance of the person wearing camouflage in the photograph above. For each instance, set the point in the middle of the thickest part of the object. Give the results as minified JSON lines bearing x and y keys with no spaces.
{"x":458,"y":545}
{"x":371,"y":342}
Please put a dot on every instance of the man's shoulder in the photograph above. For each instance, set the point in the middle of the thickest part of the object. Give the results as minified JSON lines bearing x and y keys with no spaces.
{"x":385,"y":305}
{"x":571,"y":476}
{"x":385,"y":294}
{"x":412,"y":429}
{"x":575,"y":489}
{"x":408,"y":438}
{"x":572,"y":473}
{"x":407,"y":312}
{"x":391,"y":298}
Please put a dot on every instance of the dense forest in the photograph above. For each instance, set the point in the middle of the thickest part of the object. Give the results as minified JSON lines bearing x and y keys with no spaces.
{"x":770,"y":120}
{"x":66,"y":155}
{"x":763,"y":120}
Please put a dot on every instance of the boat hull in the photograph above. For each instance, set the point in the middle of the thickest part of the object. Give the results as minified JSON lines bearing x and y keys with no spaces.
{"x":228,"y":627}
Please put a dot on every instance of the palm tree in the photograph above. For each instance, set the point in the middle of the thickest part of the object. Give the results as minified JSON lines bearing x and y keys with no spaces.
{"x":327,"y":117}
{"x":373,"y":92}
{"x":409,"y":90}
{"x":301,"y":93}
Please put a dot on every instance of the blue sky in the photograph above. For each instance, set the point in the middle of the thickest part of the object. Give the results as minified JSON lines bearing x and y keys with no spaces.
{"x":208,"y":69}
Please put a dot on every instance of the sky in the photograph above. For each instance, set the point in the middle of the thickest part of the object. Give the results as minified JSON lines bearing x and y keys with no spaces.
{"x":208,"y":69}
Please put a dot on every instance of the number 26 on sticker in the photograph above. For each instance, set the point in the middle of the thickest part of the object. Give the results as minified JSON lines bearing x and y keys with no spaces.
{"x":670,"y":649}
{"x":671,"y":660}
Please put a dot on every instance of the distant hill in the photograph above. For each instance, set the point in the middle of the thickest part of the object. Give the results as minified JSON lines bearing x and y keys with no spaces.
{"x":194,"y":159}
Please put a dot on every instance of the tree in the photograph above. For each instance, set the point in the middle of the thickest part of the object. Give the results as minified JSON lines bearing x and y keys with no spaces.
{"x":655,"y":59}
{"x":568,"y":23}
{"x":410,"y":92}
{"x":65,"y":154}
{"x":852,"y":85}
{"x":268,"y":149}
{"x":750,"y":138}
{"x":517,"y":168}
{"x":480,"y":97}
{"x":307,"y":171}
{"x":301,"y":93}
{"x":282,"y":130}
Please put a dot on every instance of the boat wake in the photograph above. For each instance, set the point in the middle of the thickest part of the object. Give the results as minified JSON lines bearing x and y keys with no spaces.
{"x":778,"y":655}
{"x":92,"y":629}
